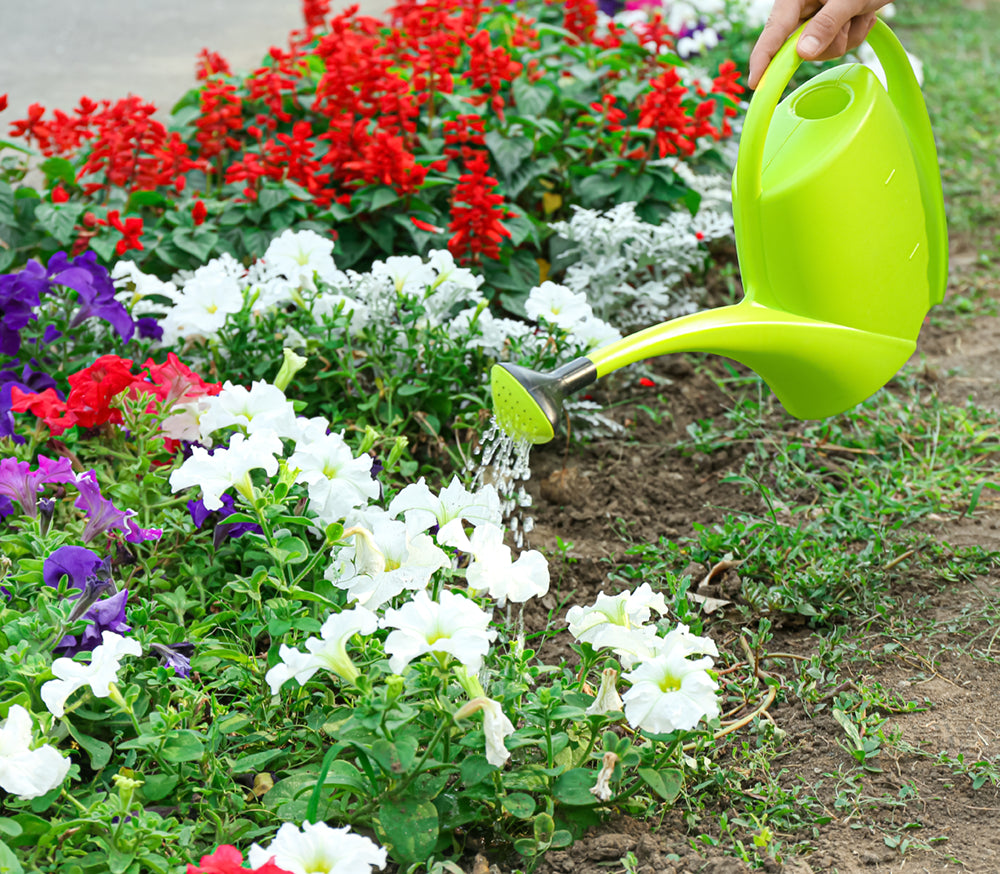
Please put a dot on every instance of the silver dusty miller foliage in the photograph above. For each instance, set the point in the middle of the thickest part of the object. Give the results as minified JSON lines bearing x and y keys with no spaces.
{"x":635,"y":273}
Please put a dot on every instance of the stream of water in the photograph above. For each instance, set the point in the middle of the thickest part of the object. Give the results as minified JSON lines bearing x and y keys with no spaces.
{"x":504,"y":462}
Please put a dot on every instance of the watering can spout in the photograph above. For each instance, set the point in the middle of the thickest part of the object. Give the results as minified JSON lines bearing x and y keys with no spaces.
{"x":841,"y":239}
{"x":792,"y":354}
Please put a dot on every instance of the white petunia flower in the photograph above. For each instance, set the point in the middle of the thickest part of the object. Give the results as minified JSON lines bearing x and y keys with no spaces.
{"x":496,"y":727}
{"x":26,"y":772}
{"x":262,"y":406}
{"x":422,"y":509}
{"x":619,"y":623}
{"x":409,"y":274}
{"x":301,"y":256}
{"x":319,"y":849}
{"x":99,"y":674}
{"x":328,"y":651}
{"x":452,"y":625}
{"x":594,"y":332}
{"x":225,"y":468}
{"x":492,"y":570}
{"x":670,"y":693}
{"x":608,"y":700}
{"x":384,"y":561}
{"x":337,"y":480}
{"x":558,"y":305}
{"x":602,"y":788}
{"x":208,"y":297}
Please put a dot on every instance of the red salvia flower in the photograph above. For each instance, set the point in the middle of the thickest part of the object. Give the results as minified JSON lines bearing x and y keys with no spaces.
{"x":130,"y":229}
{"x":211,"y":64}
{"x":199,"y":212}
{"x":476,"y":213}
{"x":662,"y":111}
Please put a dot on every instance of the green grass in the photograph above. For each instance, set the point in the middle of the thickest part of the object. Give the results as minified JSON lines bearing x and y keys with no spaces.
{"x":957,"y":41}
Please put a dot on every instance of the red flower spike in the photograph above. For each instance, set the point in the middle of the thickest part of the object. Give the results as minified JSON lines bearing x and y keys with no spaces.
{"x":426,"y":226}
{"x":59,"y":194}
{"x":199,"y":212}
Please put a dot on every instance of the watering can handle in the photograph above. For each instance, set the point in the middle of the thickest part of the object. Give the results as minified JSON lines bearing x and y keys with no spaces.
{"x":904,"y":91}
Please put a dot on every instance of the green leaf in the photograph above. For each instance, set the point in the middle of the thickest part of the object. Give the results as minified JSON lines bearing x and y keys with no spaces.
{"x":411,"y":388}
{"x":345,"y":775}
{"x":574,"y":787}
{"x":8,"y":861}
{"x":59,"y":220}
{"x":410,"y":828}
{"x":158,"y":786}
{"x":383,"y":233}
{"x":98,"y":750}
{"x":531,"y":99}
{"x":10,"y":827}
{"x":198,"y":242}
{"x":597,"y":188}
{"x":395,"y":758}
{"x":6,"y":203}
{"x":635,"y":188}
{"x":508,"y":151}
{"x":519,"y":804}
{"x":58,"y":169}
{"x":145,"y":198}
{"x":666,"y":783}
{"x":475,"y":769}
{"x":269,"y":198}
{"x":382,"y":196}
{"x":182,"y":745}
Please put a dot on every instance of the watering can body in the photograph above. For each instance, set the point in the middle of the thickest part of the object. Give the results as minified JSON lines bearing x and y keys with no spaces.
{"x":841,"y":241}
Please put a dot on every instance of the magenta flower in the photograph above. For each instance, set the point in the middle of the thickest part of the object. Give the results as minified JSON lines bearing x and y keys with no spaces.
{"x":21,"y":484}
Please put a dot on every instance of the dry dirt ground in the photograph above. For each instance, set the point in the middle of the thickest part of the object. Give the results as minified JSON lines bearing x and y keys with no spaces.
{"x":913,"y":814}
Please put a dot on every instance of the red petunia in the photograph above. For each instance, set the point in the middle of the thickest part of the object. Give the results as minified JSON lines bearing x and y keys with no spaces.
{"x":228,"y":860}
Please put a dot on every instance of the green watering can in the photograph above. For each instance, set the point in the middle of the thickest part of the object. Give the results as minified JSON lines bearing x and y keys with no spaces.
{"x":841,"y":240}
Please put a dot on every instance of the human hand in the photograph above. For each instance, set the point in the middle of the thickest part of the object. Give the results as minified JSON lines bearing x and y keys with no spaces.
{"x":835,"y":27}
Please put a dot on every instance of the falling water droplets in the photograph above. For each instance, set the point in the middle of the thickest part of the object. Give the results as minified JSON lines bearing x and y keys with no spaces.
{"x":504,"y":462}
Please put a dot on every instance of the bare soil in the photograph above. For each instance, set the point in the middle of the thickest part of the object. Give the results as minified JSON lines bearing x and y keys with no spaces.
{"x":913,"y":814}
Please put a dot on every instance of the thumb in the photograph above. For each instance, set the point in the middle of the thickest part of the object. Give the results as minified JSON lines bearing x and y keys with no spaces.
{"x":824,"y":27}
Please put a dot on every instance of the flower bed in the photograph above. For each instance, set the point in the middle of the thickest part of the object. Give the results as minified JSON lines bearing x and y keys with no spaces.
{"x":242,"y":605}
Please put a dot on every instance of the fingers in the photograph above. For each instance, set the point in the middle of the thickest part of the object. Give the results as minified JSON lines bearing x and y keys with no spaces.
{"x":785,"y":17}
{"x":828,"y":33}
{"x":861,"y":26}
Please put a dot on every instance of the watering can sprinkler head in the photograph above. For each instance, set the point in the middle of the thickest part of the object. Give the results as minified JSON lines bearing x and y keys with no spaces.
{"x":528,"y":404}
{"x":841,"y":240}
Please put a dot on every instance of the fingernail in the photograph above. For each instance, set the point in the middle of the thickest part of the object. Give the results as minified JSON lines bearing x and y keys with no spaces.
{"x":808,"y":45}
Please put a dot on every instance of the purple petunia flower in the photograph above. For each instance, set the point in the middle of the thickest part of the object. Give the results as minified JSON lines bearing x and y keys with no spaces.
{"x":223,"y":530}
{"x":176,"y":656}
{"x":22,"y":292}
{"x":95,"y":289}
{"x":92,"y":576}
{"x":104,"y":615}
{"x":75,"y":562}
{"x":103,"y":515}
{"x":149,"y":328}
{"x":22,"y":485}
